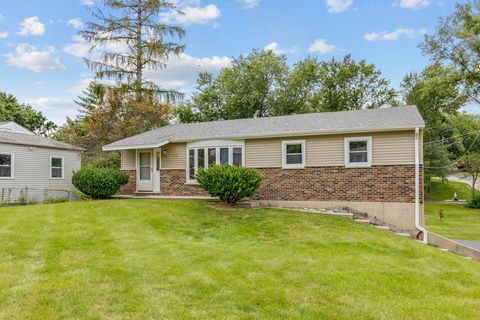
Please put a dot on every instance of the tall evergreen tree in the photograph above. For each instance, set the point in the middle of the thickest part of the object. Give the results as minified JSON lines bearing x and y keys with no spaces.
{"x":146,"y":42}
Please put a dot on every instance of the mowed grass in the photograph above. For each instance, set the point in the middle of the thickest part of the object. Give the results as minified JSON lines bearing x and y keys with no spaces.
{"x":141,"y":259}
{"x":458,"y":222}
{"x":440,"y":191}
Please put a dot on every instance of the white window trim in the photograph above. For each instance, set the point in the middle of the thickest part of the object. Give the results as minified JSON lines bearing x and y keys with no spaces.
{"x":284,"y":154}
{"x":217,"y":157}
{"x":63,"y":167}
{"x":348,"y":164}
{"x":12,"y":166}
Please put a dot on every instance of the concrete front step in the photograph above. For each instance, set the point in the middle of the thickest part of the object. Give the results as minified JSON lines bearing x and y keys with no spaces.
{"x":363,"y":220}
{"x":382,"y":227}
{"x":346,"y":215}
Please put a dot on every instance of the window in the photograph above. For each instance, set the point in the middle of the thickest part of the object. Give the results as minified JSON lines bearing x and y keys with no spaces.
{"x":358,"y":152}
{"x":209,"y":156}
{"x":145,"y":165}
{"x":293,"y":154}
{"x":6,"y":166}
{"x":56,"y":168}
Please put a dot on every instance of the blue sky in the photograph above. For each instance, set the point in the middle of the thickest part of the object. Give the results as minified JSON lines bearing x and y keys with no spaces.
{"x":40,"y":54}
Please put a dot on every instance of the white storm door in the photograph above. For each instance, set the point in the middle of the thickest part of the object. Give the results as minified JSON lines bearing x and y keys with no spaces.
{"x":156,"y":171}
{"x":144,"y":171}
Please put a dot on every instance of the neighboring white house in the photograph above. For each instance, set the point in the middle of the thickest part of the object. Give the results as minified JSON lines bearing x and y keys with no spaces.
{"x":33,"y":166}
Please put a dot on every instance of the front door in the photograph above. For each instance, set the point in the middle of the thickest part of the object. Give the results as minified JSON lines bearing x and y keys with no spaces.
{"x":156,"y":172}
{"x":145,"y":180}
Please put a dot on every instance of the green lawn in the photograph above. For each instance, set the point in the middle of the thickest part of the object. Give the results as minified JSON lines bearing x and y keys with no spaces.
{"x":141,"y":259}
{"x":444,"y":191}
{"x":458,"y":222}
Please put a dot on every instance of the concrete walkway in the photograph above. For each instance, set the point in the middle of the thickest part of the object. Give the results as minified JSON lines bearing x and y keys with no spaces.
{"x":472,"y":244}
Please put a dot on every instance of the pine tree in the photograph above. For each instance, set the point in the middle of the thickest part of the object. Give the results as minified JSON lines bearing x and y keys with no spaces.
{"x":135,"y":26}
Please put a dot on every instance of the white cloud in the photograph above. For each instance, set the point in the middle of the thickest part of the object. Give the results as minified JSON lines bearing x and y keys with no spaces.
{"x":29,"y":57}
{"x":1,"y":17}
{"x":78,"y":50}
{"x":3,"y":35}
{"x":394,"y":35}
{"x":81,"y":48}
{"x":54,"y":109}
{"x":77,"y":23}
{"x":80,"y":86}
{"x":31,"y":27}
{"x":414,"y":4}
{"x":88,"y":2}
{"x":337,"y":6}
{"x":273,"y":46}
{"x":321,"y":46}
{"x":182,"y":71}
{"x":248,"y":4}
{"x":192,"y":15}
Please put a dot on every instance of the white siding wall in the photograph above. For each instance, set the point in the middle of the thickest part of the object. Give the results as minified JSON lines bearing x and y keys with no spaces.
{"x":32,"y":168}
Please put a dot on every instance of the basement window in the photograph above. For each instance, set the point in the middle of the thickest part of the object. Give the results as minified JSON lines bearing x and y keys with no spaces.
{"x":358,"y":152}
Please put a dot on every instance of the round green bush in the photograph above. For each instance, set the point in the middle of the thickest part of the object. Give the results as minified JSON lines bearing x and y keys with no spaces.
{"x":229,"y":183}
{"x":99,"y":183}
{"x":474,"y":203}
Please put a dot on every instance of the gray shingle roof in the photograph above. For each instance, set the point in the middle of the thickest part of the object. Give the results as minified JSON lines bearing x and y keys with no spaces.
{"x":34,"y":140}
{"x":395,"y":118}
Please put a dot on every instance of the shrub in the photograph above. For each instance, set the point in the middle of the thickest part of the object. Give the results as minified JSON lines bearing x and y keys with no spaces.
{"x":474,"y":203}
{"x":99,"y":183}
{"x":229,"y":183}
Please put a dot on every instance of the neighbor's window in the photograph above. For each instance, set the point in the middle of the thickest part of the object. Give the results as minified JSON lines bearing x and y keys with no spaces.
{"x":56,"y":167}
{"x":293,"y":154}
{"x":6,"y":166}
{"x":358,"y":152}
{"x":207,"y":157}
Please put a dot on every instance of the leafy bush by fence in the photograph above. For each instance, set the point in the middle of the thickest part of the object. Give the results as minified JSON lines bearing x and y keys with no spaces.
{"x":99,"y":183}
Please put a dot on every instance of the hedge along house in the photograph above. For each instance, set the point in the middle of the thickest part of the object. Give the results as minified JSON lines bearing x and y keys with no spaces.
{"x":368,"y":160}
{"x":32,"y":166}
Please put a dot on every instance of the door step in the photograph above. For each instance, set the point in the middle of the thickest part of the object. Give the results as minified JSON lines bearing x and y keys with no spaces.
{"x":366,"y":221}
{"x":382,"y":227}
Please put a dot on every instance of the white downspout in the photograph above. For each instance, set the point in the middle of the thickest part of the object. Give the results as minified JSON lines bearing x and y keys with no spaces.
{"x":417,"y":187}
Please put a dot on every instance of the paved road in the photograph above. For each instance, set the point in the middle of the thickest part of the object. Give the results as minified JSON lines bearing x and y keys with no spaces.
{"x":473,"y":244}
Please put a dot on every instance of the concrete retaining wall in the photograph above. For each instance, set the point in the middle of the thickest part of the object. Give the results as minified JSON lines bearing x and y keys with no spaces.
{"x":445,"y":243}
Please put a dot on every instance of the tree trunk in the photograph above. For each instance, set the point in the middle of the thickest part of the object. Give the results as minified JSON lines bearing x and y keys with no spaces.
{"x":139,"y":52}
{"x":474,"y":182}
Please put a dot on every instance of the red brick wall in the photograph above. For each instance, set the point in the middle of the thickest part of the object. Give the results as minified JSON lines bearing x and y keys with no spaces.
{"x":131,"y":186}
{"x":172,"y":183}
{"x":395,"y":183}
{"x":373,"y":184}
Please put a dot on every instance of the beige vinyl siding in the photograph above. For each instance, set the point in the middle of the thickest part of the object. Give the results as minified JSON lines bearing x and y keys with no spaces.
{"x":263,"y":153}
{"x":174,"y":156}
{"x":328,"y":150}
{"x":128,"y":161}
{"x":32,"y":168}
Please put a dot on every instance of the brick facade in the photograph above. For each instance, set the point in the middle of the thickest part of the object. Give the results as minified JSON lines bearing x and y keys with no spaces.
{"x":394,"y":183}
{"x":373,"y":184}
{"x":131,"y":186}
{"x":172,"y":183}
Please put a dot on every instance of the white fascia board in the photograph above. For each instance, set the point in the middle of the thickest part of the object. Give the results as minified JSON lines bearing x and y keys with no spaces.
{"x":133,"y":147}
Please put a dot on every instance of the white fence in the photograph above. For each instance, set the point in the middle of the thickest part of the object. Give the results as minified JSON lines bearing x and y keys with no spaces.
{"x":28,"y":195}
